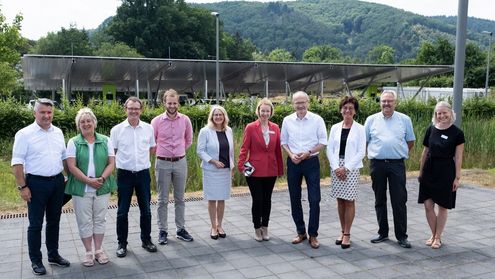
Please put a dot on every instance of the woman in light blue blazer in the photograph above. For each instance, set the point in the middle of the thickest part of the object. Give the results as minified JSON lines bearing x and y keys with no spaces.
{"x":216,"y":149}
{"x":345,"y":151}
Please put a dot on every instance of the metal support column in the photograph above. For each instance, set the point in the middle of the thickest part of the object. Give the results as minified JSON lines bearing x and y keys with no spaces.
{"x":460,"y":58}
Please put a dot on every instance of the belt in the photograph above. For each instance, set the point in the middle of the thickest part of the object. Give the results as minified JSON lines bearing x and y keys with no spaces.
{"x":131,"y":172}
{"x":43,"y":177}
{"x":170,"y":159}
{"x":389,"y":160}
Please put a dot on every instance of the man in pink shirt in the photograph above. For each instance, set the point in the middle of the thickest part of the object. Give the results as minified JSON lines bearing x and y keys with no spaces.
{"x":173,"y":136}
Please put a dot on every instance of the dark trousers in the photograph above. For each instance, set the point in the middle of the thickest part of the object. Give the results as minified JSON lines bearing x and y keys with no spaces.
{"x":393,"y":172}
{"x":261,"y":189}
{"x":310,"y":170}
{"x":128,"y":182}
{"x":47,"y":195}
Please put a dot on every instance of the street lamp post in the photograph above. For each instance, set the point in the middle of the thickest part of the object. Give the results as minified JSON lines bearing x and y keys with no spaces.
{"x":488,"y":60}
{"x":217,"y":84}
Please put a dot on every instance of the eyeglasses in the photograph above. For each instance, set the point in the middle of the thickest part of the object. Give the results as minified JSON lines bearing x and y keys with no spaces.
{"x":387,"y":101}
{"x":133,"y":109}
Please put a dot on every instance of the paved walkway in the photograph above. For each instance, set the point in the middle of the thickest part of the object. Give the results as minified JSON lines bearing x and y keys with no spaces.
{"x":468,"y":250}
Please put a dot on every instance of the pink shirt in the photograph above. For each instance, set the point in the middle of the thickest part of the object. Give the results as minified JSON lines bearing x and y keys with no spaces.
{"x":173,"y":136}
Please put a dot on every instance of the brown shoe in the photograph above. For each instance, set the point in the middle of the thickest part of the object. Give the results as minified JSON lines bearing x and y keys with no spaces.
{"x":299,"y":238}
{"x":313,"y":242}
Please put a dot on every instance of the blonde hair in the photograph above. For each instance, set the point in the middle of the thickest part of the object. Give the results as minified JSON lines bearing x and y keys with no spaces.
{"x":443,"y":104}
{"x":225,"y":123}
{"x":85,"y":112}
{"x":264,"y":101}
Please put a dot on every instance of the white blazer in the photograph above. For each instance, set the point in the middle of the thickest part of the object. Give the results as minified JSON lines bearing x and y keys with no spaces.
{"x":208,"y":147}
{"x":354,"y":150}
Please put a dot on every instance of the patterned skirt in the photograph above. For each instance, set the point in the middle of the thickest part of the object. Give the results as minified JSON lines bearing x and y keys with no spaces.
{"x":345,"y":189}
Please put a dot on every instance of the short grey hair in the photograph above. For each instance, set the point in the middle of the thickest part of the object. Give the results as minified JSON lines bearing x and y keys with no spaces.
{"x":389,"y":91}
{"x":300,"y":93}
{"x":443,"y":104}
{"x":83,"y":112}
{"x":43,"y":101}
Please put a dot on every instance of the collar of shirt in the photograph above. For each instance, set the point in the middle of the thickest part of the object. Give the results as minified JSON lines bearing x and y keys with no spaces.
{"x":165,"y":116}
{"x":38,"y":127}
{"x":127,"y":124}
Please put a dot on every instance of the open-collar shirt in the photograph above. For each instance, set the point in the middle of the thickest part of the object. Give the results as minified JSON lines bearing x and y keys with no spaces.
{"x":40,"y":151}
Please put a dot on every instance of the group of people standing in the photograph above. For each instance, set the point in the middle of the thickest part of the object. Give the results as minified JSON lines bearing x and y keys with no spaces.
{"x":89,"y":159}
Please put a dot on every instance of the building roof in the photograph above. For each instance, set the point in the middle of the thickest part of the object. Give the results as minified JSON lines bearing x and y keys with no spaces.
{"x":90,"y":73}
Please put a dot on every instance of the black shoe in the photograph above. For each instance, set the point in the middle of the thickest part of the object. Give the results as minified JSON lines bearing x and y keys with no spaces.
{"x":149,"y":246}
{"x":162,"y":237}
{"x":38,"y":268}
{"x":59,"y":261}
{"x":121,"y":251}
{"x":182,"y":234}
{"x":379,"y":238}
{"x":404,"y":243}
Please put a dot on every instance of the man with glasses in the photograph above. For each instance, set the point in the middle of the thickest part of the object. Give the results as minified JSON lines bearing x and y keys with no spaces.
{"x":133,"y":141}
{"x":390,"y":137}
{"x":303,"y":135}
{"x":38,"y":159}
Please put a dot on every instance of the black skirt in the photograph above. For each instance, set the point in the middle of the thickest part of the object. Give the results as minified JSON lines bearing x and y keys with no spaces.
{"x":437,"y":182}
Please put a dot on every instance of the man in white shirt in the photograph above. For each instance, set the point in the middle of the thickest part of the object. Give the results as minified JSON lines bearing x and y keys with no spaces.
{"x":38,"y":159}
{"x":303,"y":135}
{"x":133,"y":141}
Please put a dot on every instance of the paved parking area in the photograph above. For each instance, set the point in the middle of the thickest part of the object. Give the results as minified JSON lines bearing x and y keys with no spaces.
{"x":468,"y":249}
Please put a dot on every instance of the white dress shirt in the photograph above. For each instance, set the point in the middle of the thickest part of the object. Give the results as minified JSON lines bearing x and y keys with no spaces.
{"x":40,"y":151}
{"x":133,"y":145}
{"x":301,"y":135}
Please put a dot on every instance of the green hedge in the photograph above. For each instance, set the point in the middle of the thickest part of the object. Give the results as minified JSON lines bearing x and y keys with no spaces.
{"x":15,"y":115}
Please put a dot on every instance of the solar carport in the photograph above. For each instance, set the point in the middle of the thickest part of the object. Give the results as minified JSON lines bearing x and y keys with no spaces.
{"x":145,"y":76}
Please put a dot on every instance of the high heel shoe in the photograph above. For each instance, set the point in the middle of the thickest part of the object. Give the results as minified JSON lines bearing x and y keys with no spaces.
{"x":338,"y":241}
{"x":346,"y":245}
{"x":214,"y":234}
{"x":221,"y":233}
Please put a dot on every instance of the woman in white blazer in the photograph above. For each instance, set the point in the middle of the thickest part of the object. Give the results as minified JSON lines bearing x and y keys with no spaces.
{"x":216,"y":149}
{"x":345,"y":151}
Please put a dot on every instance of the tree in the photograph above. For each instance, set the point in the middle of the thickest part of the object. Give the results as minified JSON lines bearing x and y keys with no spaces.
{"x":237,"y":48}
{"x":322,"y":53}
{"x":153,"y":27}
{"x":475,"y":66}
{"x":281,"y":55}
{"x":117,"y":50}
{"x":382,"y":54}
{"x":11,"y":42}
{"x":441,"y":52}
{"x":70,"y":41}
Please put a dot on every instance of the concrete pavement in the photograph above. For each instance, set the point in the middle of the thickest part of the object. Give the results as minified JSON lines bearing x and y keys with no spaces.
{"x":468,"y":249}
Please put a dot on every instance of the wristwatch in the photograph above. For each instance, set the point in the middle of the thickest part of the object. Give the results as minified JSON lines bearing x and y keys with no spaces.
{"x":19,"y":187}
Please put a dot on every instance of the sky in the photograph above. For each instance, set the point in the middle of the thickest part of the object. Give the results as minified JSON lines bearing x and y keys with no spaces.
{"x":43,"y":16}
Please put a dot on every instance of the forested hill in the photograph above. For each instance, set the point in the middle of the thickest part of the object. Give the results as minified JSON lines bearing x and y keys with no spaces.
{"x":353,"y":26}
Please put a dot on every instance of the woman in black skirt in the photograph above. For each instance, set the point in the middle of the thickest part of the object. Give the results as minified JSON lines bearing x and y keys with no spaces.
{"x":440,"y":169}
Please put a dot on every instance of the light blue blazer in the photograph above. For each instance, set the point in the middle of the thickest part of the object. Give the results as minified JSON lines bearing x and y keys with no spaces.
{"x":208,"y":147}
{"x":354,"y":150}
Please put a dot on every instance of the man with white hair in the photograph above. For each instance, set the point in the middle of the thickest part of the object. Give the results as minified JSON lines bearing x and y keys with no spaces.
{"x":38,"y":159}
{"x":390,"y":137}
{"x":303,"y":135}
